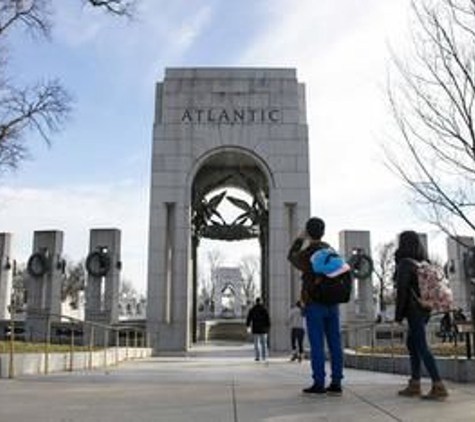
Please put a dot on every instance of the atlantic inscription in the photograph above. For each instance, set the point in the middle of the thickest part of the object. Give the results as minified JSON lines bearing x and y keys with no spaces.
{"x":231,"y":116}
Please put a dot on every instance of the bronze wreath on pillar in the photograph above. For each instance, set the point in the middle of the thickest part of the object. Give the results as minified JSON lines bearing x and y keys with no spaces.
{"x":38,"y":264}
{"x":98,"y":263}
{"x":361,"y":264}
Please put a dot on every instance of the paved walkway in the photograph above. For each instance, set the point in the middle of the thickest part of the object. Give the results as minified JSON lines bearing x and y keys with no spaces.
{"x":218,"y":384}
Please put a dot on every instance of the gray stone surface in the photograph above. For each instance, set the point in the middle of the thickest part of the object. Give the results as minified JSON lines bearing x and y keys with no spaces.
{"x":44,"y":293}
{"x":102,"y":293}
{"x":5,"y":274}
{"x":361,"y":307}
{"x":219,"y":384}
{"x":456,"y":271}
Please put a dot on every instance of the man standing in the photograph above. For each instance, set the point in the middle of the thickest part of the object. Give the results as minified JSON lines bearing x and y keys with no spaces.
{"x":259,"y":321}
{"x":323,"y":320}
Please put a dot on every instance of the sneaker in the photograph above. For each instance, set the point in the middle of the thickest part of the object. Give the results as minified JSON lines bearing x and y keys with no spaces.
{"x":335,"y":390}
{"x":314,"y":389}
{"x":257,"y":359}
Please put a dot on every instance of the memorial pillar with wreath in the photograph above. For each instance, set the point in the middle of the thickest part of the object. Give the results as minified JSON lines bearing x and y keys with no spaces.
{"x":355,"y":245}
{"x":103,"y":265}
{"x":45,"y":269}
{"x":459,"y":270}
{"x":5,"y":274}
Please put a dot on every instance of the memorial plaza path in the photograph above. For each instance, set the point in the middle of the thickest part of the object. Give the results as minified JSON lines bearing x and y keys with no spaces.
{"x":219,"y":383}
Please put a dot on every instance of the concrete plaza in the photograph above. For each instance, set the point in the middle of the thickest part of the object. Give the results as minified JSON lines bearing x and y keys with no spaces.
{"x":218,"y":383}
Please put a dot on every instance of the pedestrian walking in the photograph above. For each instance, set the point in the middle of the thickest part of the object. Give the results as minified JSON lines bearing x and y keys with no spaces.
{"x":446,"y":328}
{"x":410,"y":252}
{"x":259,"y":321}
{"x":297,"y":331}
{"x":323,"y":320}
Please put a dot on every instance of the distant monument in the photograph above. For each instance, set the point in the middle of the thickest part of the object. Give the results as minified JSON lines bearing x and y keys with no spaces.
{"x":229,"y":298}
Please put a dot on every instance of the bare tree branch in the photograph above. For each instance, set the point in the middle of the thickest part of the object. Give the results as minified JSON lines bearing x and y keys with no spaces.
{"x":250,"y":268}
{"x":116,"y":7}
{"x":384,"y":270}
{"x":42,"y":108}
{"x":34,"y":15}
{"x":432,"y":103}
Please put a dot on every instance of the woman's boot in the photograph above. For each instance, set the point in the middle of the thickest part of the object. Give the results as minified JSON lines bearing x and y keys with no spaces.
{"x":437,"y":392}
{"x":413,"y":389}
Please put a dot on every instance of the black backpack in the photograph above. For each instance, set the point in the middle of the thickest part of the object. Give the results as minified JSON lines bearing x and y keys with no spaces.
{"x":331,"y":291}
{"x":318,"y":287}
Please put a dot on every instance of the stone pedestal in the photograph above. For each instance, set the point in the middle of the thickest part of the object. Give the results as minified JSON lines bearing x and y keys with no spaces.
{"x":360,"y":309}
{"x":102,"y":291}
{"x":5,"y":274}
{"x":459,"y":281}
{"x":44,"y":291}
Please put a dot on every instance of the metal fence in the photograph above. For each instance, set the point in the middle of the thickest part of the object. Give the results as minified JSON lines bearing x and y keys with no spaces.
{"x":65,"y":334}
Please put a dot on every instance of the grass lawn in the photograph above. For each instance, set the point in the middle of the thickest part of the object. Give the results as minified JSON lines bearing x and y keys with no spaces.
{"x":438,"y":350}
{"x":27,"y":347}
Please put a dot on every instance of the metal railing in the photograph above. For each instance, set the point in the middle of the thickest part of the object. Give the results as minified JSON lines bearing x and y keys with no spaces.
{"x":80,"y":336}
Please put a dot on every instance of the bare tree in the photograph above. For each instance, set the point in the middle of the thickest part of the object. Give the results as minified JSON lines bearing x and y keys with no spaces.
{"x":73,"y":283}
{"x":432,"y":102}
{"x":384,"y":270}
{"x":19,"y":287}
{"x":115,"y":7}
{"x":127,"y":290}
{"x":215,"y":258}
{"x":43,"y":107}
{"x":32,"y":15}
{"x":250,"y":266}
{"x":35,"y":15}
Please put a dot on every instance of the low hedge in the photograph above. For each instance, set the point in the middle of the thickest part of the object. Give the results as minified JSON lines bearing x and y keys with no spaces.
{"x":28,"y":347}
{"x":438,"y":350}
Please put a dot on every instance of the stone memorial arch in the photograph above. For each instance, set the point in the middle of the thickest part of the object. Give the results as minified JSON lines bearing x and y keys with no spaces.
{"x":217,"y":128}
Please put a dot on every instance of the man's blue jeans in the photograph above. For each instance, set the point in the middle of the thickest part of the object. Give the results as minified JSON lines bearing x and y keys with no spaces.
{"x":323,"y":321}
{"x":260,"y":346}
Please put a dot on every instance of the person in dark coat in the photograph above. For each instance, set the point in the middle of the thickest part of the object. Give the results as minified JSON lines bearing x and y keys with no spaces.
{"x":410,"y":252}
{"x":259,"y":321}
{"x":446,"y":328}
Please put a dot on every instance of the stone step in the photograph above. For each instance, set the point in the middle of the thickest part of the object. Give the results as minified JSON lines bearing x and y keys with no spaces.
{"x":233,"y":330}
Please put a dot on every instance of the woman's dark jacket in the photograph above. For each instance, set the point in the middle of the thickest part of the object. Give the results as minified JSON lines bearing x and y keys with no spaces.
{"x":407,"y":286}
{"x":258,"y":319}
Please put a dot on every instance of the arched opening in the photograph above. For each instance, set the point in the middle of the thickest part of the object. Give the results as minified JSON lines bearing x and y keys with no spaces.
{"x":230,"y":232}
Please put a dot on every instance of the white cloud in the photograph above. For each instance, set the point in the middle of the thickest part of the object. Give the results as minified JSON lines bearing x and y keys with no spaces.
{"x":340,"y":50}
{"x":191,"y":28}
{"x":75,"y":210}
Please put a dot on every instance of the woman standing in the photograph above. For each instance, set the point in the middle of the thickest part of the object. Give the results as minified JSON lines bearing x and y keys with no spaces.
{"x":410,"y":252}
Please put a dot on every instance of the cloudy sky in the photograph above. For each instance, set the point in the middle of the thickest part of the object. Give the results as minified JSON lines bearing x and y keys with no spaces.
{"x":97,"y":172}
